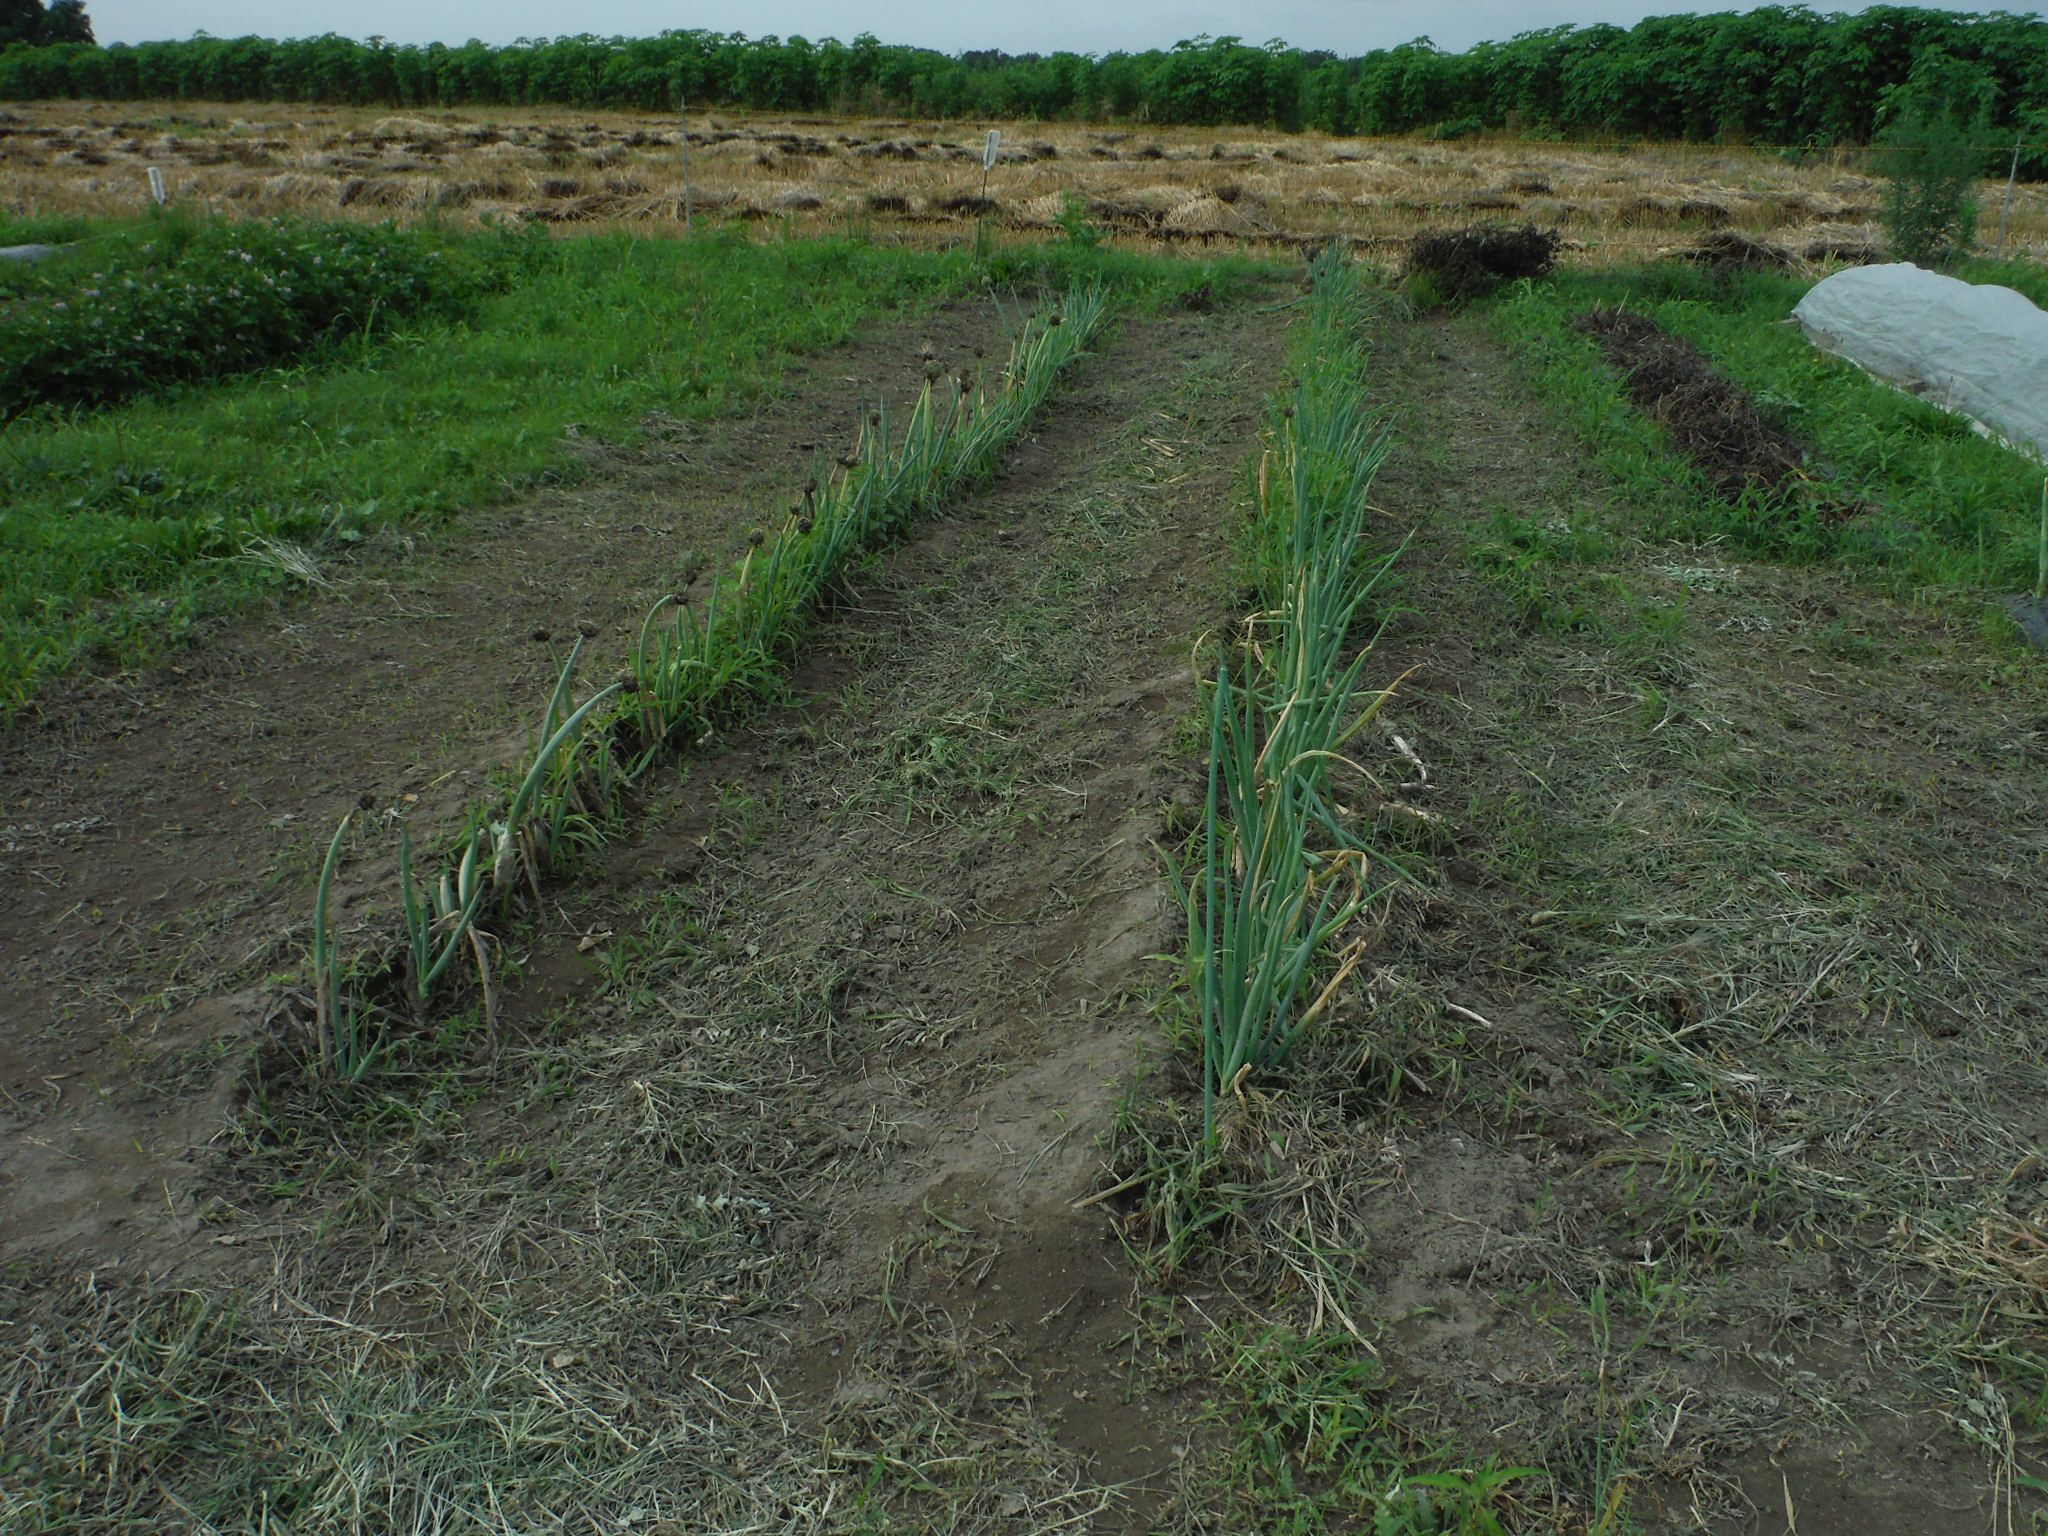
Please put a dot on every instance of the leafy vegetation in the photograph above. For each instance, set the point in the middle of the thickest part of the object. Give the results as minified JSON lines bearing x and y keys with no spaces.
{"x":1317,"y":1445}
{"x":1931,"y":152}
{"x":1313,"y":1435}
{"x":136,"y":307}
{"x":1780,"y":74}
{"x":30,"y":21}
{"x":1279,"y":873}
{"x":124,"y":526}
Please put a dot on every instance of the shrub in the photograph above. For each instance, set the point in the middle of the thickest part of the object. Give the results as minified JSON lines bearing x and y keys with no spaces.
{"x":1075,"y":224}
{"x":174,"y":301}
{"x":1457,"y":128}
{"x":1930,"y":152}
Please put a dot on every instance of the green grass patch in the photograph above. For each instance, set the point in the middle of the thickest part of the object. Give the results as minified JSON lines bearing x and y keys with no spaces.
{"x":121,"y":528}
{"x":51,"y":228}
{"x":1931,"y":503}
{"x":1316,"y":1445}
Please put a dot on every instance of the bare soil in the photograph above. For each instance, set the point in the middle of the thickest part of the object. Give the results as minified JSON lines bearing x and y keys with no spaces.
{"x":1706,"y":1069}
{"x":773,"y":1175}
{"x":1682,"y":1137}
{"x":162,"y":830}
{"x":955,"y":842}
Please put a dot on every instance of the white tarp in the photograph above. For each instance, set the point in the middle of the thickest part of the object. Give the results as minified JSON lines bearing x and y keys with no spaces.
{"x":1970,"y":347}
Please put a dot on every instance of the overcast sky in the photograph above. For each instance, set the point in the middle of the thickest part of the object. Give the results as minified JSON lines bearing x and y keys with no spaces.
{"x":1088,"y":26}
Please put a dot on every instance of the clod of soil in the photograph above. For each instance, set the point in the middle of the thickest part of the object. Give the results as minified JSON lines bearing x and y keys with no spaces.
{"x":2031,"y":615}
{"x":1711,"y":419}
{"x":1477,"y":258}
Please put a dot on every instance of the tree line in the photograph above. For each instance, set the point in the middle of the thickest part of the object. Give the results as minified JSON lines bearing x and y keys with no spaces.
{"x":30,"y":21}
{"x":1782,"y":75}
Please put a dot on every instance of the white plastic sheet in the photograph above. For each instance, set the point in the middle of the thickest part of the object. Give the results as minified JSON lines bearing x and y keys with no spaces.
{"x":1969,"y":347}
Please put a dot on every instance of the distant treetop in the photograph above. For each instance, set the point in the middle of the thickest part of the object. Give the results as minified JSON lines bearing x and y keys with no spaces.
{"x":26,"y":21}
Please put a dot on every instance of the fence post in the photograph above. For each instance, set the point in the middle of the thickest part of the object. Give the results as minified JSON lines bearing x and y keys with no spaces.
{"x":689,"y":211}
{"x":2012,"y":175}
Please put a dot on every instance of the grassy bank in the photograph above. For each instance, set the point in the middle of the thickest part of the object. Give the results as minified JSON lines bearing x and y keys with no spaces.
{"x":132,"y":309}
{"x":1900,"y":488}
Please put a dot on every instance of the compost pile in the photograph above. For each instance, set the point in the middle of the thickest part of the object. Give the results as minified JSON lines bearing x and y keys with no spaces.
{"x":1477,"y":258}
{"x":1711,"y":419}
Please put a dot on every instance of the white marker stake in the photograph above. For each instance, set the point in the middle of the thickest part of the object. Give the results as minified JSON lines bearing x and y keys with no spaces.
{"x":157,"y":189}
{"x":988,"y":163}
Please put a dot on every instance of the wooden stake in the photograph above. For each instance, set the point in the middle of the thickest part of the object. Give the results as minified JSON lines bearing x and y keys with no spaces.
{"x":2011,"y":176}
{"x":689,"y":211}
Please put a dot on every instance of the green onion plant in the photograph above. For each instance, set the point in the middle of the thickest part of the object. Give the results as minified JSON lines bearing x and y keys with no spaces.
{"x":691,"y":667}
{"x":1281,"y":871}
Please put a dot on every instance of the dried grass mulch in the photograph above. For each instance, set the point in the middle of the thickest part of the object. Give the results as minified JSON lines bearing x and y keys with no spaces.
{"x":1712,"y":419}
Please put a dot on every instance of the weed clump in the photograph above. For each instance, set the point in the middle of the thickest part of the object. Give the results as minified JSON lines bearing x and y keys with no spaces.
{"x":1477,"y":258}
{"x":1711,"y":419}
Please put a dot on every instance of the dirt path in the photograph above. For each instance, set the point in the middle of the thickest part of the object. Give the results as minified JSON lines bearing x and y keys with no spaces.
{"x":1710,"y":1070}
{"x":160,"y":835}
{"x":955,"y":847}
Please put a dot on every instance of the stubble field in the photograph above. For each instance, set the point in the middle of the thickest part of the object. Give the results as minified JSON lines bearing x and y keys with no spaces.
{"x":1163,"y":188}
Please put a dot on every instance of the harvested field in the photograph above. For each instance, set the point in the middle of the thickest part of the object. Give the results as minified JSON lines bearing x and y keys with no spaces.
{"x":1163,"y":188}
{"x":1295,"y":926}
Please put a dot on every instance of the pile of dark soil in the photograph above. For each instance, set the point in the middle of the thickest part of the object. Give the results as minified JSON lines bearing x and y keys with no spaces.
{"x":1853,"y":253}
{"x":1730,"y":250}
{"x":1476,"y":258}
{"x":1711,"y":419}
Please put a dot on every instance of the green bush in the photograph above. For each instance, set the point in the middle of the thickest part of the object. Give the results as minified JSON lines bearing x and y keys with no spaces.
{"x":1457,"y":128}
{"x":1075,"y":224}
{"x":1930,"y":151}
{"x":130,"y":311}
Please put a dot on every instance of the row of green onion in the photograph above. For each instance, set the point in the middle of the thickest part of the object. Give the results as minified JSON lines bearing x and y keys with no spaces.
{"x":692,"y":667}
{"x":1281,"y":871}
